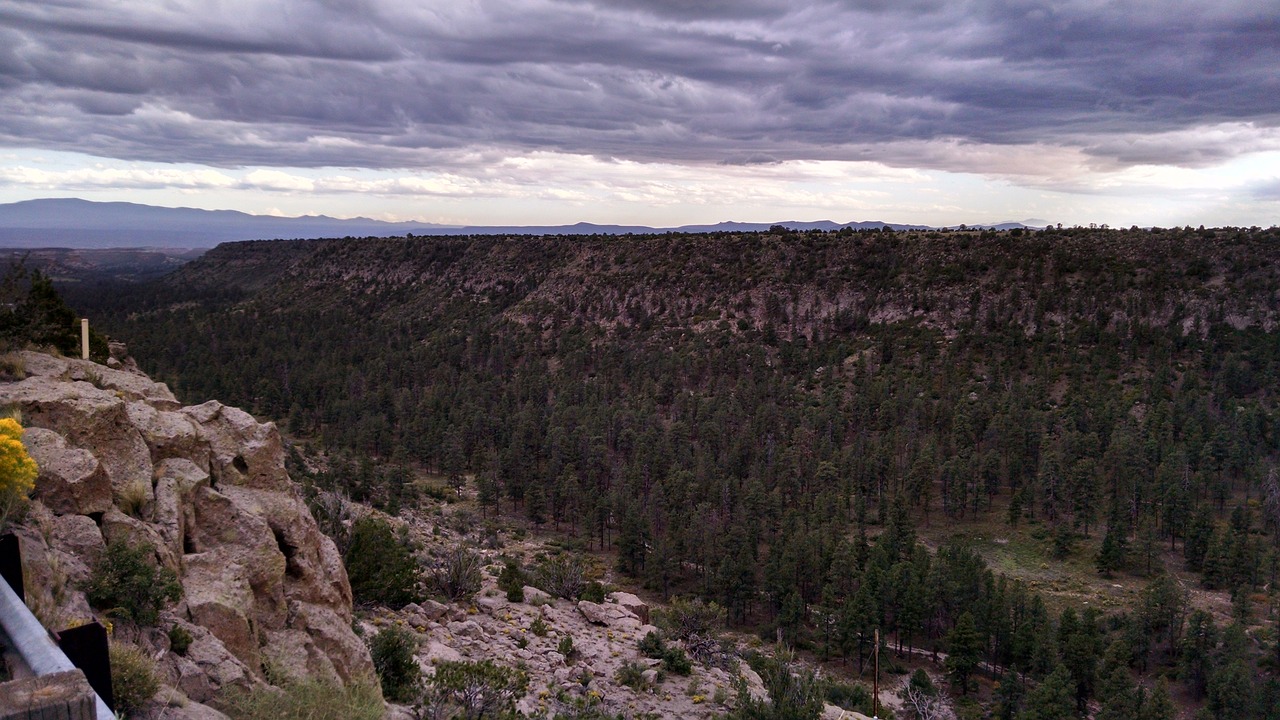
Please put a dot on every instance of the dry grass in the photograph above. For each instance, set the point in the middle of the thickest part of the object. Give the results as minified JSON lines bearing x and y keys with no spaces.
{"x":133,"y":498}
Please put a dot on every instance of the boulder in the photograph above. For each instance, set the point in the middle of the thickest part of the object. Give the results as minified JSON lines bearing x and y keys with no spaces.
{"x":176,"y":479}
{"x":632,"y":603}
{"x":534,"y":596}
{"x":435,"y":611}
{"x":313,"y":571}
{"x":244,"y":540}
{"x":755,"y":686}
{"x":90,"y":418}
{"x":243,"y":450}
{"x":466,"y":628}
{"x":437,"y":651}
{"x":71,"y":479}
{"x":168,"y":434}
{"x":609,"y":615}
{"x":51,"y":575}
{"x":291,"y":654}
{"x":491,"y":605}
{"x":329,"y":632}
{"x":177,"y":706}
{"x":206,"y":668}
{"x":220,"y":599}
{"x":78,"y":536}
{"x":834,"y":712}
{"x":206,"y":488}
{"x":116,"y":526}
{"x":127,"y":385}
{"x":43,"y":365}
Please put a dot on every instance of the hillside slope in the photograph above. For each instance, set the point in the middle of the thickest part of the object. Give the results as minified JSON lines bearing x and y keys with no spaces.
{"x":736,"y":415}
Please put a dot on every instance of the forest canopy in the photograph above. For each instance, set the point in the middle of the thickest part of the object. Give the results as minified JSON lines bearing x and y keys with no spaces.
{"x":765,"y":420}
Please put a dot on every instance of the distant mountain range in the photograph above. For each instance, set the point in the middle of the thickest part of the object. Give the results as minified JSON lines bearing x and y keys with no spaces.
{"x":75,"y":223}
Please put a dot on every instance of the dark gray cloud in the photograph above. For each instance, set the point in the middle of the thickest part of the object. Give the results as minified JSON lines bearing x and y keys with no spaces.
{"x":389,"y":83}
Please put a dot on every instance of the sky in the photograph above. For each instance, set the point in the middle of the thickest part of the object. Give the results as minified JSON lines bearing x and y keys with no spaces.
{"x":653,"y":112}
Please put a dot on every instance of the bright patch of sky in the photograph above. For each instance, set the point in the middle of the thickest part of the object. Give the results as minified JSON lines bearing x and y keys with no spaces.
{"x":546,"y":188}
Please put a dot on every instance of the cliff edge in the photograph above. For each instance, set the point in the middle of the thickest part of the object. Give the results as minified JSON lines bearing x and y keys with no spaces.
{"x":264,"y":594}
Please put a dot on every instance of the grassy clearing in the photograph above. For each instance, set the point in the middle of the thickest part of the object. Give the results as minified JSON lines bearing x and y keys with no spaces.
{"x":1025,"y":552}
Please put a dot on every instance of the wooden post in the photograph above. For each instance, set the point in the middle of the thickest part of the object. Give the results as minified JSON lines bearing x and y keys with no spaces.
{"x":84,"y":338}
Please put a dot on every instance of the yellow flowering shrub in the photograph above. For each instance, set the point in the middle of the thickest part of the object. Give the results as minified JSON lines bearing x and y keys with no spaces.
{"x":17,"y":471}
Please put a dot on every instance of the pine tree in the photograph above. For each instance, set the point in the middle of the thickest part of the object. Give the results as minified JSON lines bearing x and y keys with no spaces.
{"x":1080,"y":645}
{"x":1196,"y":651}
{"x":1111,"y":557}
{"x":1120,"y":697}
{"x":964,"y":651}
{"x":1052,"y":699}
{"x":1158,"y":705}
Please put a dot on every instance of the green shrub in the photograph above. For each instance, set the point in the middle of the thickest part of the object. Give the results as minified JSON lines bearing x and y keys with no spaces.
{"x":848,"y":696}
{"x":179,"y":639}
{"x":651,"y":645}
{"x":472,"y":690}
{"x":685,"y":618}
{"x":793,"y":693}
{"x":582,"y":708}
{"x":133,"y":678}
{"x":594,"y":592}
{"x":565,"y":647}
{"x":512,"y":581}
{"x":631,"y":675}
{"x":380,"y":566}
{"x":458,"y":577}
{"x":304,"y":700}
{"x":33,"y":313}
{"x":674,"y":660}
{"x":393,"y":652}
{"x":538,"y":627}
{"x":561,"y":576}
{"x":127,"y":579}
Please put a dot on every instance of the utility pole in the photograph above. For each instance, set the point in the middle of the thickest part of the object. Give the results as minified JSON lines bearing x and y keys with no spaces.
{"x":84,"y":338}
{"x":875,"y":681}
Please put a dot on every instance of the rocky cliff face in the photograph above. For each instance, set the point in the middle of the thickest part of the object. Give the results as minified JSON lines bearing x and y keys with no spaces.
{"x":264,"y":592}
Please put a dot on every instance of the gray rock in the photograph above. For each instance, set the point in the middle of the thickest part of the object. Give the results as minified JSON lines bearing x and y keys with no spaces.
{"x":635,"y":605}
{"x":467,"y":628}
{"x":243,"y":450}
{"x":210,"y":494}
{"x":491,"y":605}
{"x":534,"y":596}
{"x":71,"y":479}
{"x":434,"y":611}
{"x":609,"y":615}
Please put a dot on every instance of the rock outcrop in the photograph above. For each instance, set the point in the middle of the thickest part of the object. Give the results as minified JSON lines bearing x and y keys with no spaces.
{"x":264,"y":592}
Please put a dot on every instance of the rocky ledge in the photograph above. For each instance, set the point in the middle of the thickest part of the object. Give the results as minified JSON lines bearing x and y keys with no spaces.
{"x":264,"y":592}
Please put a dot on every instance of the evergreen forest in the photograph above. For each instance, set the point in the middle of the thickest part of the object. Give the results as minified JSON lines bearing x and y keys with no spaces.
{"x":825,"y":433}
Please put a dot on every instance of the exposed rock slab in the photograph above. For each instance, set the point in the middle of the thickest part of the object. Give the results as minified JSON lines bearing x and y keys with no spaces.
{"x":206,"y":488}
{"x":71,"y":479}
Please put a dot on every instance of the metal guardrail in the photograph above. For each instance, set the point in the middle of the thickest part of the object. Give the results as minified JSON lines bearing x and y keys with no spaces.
{"x":34,"y":643}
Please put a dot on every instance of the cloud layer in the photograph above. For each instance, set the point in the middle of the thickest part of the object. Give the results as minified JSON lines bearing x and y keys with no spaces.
{"x":441,"y":85}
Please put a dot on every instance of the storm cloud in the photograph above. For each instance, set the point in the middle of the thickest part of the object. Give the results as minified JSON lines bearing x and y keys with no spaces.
{"x":394,"y":84}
